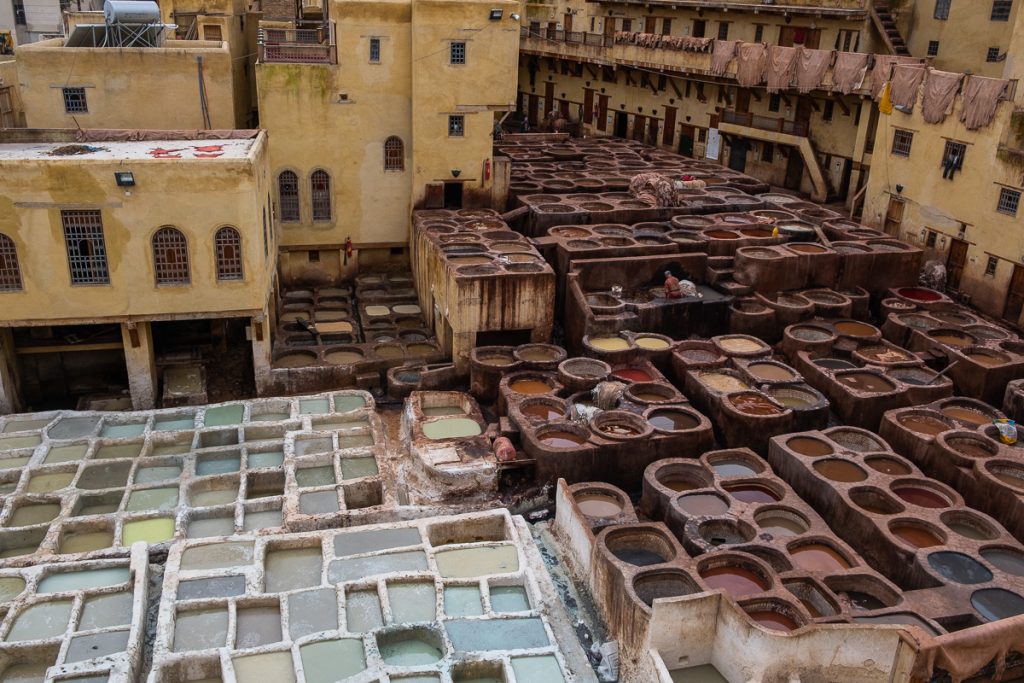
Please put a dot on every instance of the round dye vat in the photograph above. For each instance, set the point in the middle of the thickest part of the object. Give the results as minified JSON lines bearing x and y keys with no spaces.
{"x":1008,"y":561}
{"x":632,"y":375}
{"x":770,"y":371}
{"x":957,"y":339}
{"x":598,"y":506}
{"x":812,"y":448}
{"x":839,"y":470}
{"x":740,"y":345}
{"x":537,"y":354}
{"x":924,"y":424}
{"x":780,"y":524}
{"x":562,"y":439}
{"x":884,"y":354}
{"x":915,"y":536}
{"x":752,"y":493}
{"x":994,"y":604}
{"x":974,"y":531}
{"x":863,"y":602}
{"x":649,"y":396}
{"x":616,"y":429}
{"x":295,"y":360}
{"x":818,"y":557}
{"x":733,"y":468}
{"x":852,"y":328}
{"x":680,"y":484}
{"x":973,"y":417}
{"x":722,"y":382}
{"x":793,"y":398}
{"x":722,"y":235}
{"x":609,"y":343}
{"x":736,"y":581}
{"x":989,"y":360}
{"x":530,"y":386}
{"x":972,"y":448}
{"x":542,"y":411}
{"x":652,"y":343}
{"x":639,"y":557}
{"x":702,"y":504}
{"x":451,"y":428}
{"x":834,"y":364}
{"x":755,"y":404}
{"x":925,"y":498}
{"x":810,"y":333}
{"x":918,"y":294}
{"x":497,"y":359}
{"x":887,"y":466}
{"x":807,"y":248}
{"x":343,"y":357}
{"x":959,"y":567}
{"x":672,"y":420}
{"x":1013,"y":479}
{"x":866,"y":382}
{"x":776,"y":621}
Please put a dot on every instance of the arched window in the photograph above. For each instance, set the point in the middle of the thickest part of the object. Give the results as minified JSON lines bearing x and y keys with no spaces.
{"x":288,"y":191}
{"x":320,"y":187}
{"x":10,"y":273}
{"x":170,"y":257}
{"x":394,"y":154}
{"x":229,"y":254}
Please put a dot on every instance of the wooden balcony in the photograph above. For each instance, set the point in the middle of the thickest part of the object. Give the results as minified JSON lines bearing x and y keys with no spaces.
{"x":297,"y":46}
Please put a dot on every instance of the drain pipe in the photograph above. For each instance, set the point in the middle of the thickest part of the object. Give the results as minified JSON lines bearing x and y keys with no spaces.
{"x":203,"y":107}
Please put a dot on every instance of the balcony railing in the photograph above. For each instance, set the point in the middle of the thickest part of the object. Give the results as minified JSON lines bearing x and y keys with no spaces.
{"x":577,"y":37}
{"x":297,"y":45}
{"x":778,"y":125}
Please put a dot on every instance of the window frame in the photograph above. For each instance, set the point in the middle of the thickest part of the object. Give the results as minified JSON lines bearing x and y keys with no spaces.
{"x":394,"y":157}
{"x":900,"y":135}
{"x":75,"y":100}
{"x":992,"y":55}
{"x":457,"y":53}
{"x":374,"y":51}
{"x":320,"y":199}
{"x":456,"y":125}
{"x":991,"y":266}
{"x":290,"y":206}
{"x":942,"y":9}
{"x":723,"y":30}
{"x":170,"y":273}
{"x":229,"y":269}
{"x":933,"y":48}
{"x":950,"y":148}
{"x":10,"y":266}
{"x":1008,"y":194}
{"x":1001,"y":10}
{"x":85,"y":225}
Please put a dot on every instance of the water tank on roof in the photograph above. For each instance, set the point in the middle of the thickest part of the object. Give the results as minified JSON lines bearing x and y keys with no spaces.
{"x":131,"y":12}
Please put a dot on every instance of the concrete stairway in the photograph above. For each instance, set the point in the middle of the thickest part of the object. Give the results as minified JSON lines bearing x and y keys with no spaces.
{"x":882,"y":17}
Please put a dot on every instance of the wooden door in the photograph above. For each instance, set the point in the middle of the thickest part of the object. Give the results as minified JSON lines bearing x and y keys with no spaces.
{"x":549,"y":98}
{"x":790,"y":36}
{"x":686,"y":137}
{"x":602,"y":112}
{"x":639,"y":126}
{"x":563,"y":108}
{"x":742,"y":101}
{"x":652,"y":132}
{"x":532,"y":112}
{"x":804,"y":107}
{"x":567,"y":22}
{"x":609,"y":28}
{"x":669,"y":133}
{"x":955,"y":263}
{"x":894,"y":216}
{"x":588,"y":106}
{"x":794,"y":169}
{"x":649,"y":25}
{"x":699,"y":27}
{"x":1015,"y":296}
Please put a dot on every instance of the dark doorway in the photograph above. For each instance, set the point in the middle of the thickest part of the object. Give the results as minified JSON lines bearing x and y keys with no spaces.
{"x":955,"y":263}
{"x":621,"y":124}
{"x":639,"y":126}
{"x":453,"y":195}
{"x":652,"y":132}
{"x":699,"y":27}
{"x":738,"y":148}
{"x":794,"y":169}
{"x":668,"y":136}
{"x":1015,"y":296}
{"x":686,"y":135}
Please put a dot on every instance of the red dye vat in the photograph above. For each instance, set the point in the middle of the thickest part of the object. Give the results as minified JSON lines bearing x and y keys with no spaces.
{"x":736,"y":581}
{"x":632,"y":374}
{"x":752,"y":493}
{"x":919,"y":294}
{"x":921,"y":497}
{"x":773,"y":620}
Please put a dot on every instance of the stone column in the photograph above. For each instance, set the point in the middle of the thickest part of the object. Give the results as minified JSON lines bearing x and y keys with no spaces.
{"x":10,"y":400}
{"x":141,"y":363}
{"x":261,"y":348}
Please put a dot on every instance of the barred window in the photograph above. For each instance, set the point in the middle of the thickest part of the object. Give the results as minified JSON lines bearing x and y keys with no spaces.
{"x":74,"y":101}
{"x":456,"y":125}
{"x":457,"y":52}
{"x":942,"y":9}
{"x":229,"y":254}
{"x":723,"y":30}
{"x":170,"y":257}
{"x":394,"y":154}
{"x":933,"y":48}
{"x":288,"y":196}
{"x":990,"y":267}
{"x":86,"y":248}
{"x":212,"y":32}
{"x":992,"y":55}
{"x":320,"y":185}
{"x":1009,"y":201}
{"x":10,"y":272}
{"x":375,"y":50}
{"x":901,"y":142}
{"x":1001,"y":10}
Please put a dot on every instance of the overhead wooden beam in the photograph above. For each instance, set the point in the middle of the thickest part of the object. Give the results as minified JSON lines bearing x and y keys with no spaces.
{"x":842,"y":105}
{"x":675,"y":87}
{"x":591,"y":70}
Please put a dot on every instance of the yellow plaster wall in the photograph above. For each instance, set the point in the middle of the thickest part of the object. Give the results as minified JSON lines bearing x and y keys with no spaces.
{"x":196,"y":196}
{"x":939,"y":205}
{"x":964,"y":38}
{"x":154,"y":88}
{"x":9,"y":77}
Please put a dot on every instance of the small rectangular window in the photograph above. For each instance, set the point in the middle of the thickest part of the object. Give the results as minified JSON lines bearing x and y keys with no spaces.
{"x":933,"y":48}
{"x":1009,"y":201}
{"x":375,"y":50}
{"x":456,"y":126}
{"x":458,"y":52}
{"x":74,"y":101}
{"x":699,"y":27}
{"x":702,"y":135}
{"x":930,"y":241}
{"x":990,"y":267}
{"x":212,"y":32}
{"x":723,"y":30}
{"x":992,"y":55}
{"x":774,"y":102}
{"x":942,"y":9}
{"x":828,"y":111}
{"x":1001,"y":10}
{"x":666,"y":27}
{"x":313,"y":255}
{"x":627,"y":25}
{"x":86,"y":248}
{"x":901,"y":141}
{"x":758,"y":33}
{"x":768,"y":153}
